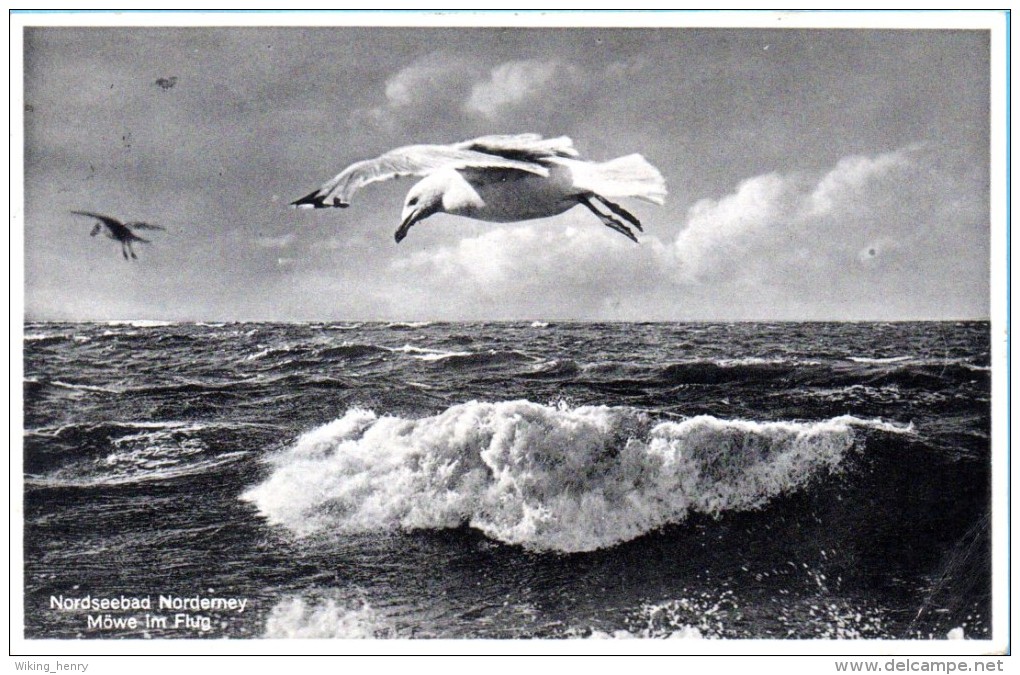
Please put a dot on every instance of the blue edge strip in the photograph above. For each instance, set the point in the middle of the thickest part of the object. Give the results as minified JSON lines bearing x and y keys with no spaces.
{"x":1009,"y":335}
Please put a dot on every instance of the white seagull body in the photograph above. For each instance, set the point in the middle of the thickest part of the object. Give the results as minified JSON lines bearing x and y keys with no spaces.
{"x":501,"y":179}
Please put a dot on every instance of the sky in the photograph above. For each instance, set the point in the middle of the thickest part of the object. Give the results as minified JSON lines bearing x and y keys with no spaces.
{"x":812,"y":174}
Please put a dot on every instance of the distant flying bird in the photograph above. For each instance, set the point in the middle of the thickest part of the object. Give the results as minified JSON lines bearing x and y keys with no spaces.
{"x":120,"y":231}
{"x":501,"y":179}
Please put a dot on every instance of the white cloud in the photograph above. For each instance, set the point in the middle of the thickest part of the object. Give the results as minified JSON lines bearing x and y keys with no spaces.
{"x":515,"y":82}
{"x":775,"y":225}
{"x":430,"y":89}
{"x":566,"y":267}
{"x":850,"y":178}
{"x":430,"y":77}
{"x":447,"y":91}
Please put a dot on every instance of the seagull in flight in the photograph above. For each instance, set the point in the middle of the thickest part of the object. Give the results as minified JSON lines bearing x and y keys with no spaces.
{"x":503,"y":178}
{"x":119,"y":231}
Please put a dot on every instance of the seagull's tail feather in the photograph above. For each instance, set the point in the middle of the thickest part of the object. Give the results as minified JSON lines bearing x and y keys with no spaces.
{"x":630,"y":176}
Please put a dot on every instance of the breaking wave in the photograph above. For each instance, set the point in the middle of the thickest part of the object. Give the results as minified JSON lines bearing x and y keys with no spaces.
{"x":140,"y":323}
{"x":329,"y":619}
{"x":551,"y":478}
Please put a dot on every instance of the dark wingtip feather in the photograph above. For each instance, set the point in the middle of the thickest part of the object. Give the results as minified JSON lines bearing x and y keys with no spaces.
{"x":309,"y":201}
{"x":315,"y":200}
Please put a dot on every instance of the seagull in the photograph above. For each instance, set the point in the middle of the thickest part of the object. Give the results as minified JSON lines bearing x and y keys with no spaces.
{"x":501,"y":178}
{"x":119,"y":231}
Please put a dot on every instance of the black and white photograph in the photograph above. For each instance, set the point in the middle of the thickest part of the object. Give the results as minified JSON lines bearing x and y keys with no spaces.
{"x":581,"y":328}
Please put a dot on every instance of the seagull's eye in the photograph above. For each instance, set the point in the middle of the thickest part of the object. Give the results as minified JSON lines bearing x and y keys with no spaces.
{"x":412,"y":201}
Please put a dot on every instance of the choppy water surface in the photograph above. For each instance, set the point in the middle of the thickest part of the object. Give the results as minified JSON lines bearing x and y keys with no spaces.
{"x":511,"y":480}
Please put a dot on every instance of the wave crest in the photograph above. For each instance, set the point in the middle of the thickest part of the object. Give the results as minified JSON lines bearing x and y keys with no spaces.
{"x":548,"y":478}
{"x":296,"y":618}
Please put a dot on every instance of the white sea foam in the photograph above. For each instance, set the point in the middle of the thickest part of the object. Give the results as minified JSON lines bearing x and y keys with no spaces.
{"x":426,"y":354}
{"x":33,"y":337}
{"x":408,"y":324}
{"x":548,"y":478}
{"x":750,"y":361}
{"x":87,"y":387}
{"x":891,"y":359}
{"x":539,"y":324}
{"x":681,"y":633}
{"x":140,"y":323}
{"x":329,"y":619}
{"x":141,"y":467}
{"x":138,"y":452}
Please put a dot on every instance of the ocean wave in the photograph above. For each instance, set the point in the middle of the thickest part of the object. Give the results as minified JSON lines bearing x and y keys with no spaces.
{"x":891,"y":359}
{"x":426,"y":354}
{"x":118,"y":453}
{"x":87,"y":387}
{"x":105,"y":427}
{"x":140,"y":323}
{"x":265,"y":352}
{"x":736,"y":362}
{"x":350,"y":350}
{"x":490,"y":357}
{"x":328,"y":619}
{"x":46,"y":338}
{"x":727,"y":370}
{"x":929,"y":376}
{"x":547,"y":478}
{"x":407,"y":325}
{"x":695,"y":617}
{"x":144,"y":467}
{"x":554,"y":368}
{"x":539,"y":324}
{"x":121,"y":333}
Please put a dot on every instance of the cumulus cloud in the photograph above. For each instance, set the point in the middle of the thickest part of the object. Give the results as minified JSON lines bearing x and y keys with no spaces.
{"x":430,"y":89}
{"x":438,"y":75}
{"x":516,"y":82}
{"x":449,"y":89}
{"x":570,"y":266}
{"x":783,"y":224}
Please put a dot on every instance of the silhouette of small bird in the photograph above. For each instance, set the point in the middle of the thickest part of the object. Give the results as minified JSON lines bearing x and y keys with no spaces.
{"x":501,"y":179}
{"x":119,"y":231}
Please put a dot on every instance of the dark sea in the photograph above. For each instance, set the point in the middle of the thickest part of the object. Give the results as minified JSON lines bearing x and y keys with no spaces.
{"x":507,"y":480}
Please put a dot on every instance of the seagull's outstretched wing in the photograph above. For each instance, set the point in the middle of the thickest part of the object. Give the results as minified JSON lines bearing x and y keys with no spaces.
{"x":137,"y":225}
{"x":106,"y":220}
{"x":413,"y":160}
{"x":522,"y":147}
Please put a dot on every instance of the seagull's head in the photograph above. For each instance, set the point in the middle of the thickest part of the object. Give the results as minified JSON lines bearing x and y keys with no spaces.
{"x":424,"y":199}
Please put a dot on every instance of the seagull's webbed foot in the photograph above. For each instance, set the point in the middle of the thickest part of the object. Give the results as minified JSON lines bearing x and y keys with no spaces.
{"x":609,"y":221}
{"x":123,"y":250}
{"x":620,"y":211}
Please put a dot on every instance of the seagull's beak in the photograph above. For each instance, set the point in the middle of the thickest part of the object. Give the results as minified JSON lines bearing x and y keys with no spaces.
{"x":409,"y":220}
